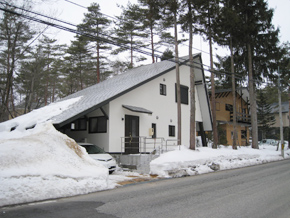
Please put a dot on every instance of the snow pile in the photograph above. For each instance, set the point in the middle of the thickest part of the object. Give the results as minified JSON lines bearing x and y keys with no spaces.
{"x":186,"y":162}
{"x":34,"y":117}
{"x":43,"y":163}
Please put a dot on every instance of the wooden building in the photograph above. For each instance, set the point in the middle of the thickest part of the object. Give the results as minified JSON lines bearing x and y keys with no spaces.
{"x":224,"y":116}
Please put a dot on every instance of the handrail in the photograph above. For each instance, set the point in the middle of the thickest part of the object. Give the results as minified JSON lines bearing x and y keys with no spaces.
{"x":147,"y":144}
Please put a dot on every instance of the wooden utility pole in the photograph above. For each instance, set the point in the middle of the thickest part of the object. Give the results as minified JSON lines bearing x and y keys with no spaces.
{"x":280,"y":115}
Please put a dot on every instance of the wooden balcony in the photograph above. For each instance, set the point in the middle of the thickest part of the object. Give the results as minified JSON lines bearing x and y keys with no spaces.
{"x":241,"y":117}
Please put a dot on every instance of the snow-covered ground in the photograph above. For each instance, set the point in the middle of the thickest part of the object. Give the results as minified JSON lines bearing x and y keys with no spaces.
{"x":185,"y":162}
{"x":41,"y":163}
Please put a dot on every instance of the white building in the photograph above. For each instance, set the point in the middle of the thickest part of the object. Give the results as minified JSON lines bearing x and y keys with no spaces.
{"x":130,"y":112}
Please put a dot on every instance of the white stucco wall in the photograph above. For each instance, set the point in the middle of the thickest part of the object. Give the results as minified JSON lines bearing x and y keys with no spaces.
{"x":100,"y":139}
{"x":164,"y":109}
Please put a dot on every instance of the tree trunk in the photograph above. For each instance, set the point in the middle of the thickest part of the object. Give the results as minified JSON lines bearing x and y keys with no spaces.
{"x":289,"y":118}
{"x":213,"y":103}
{"x":234,"y":97}
{"x":253,"y":104}
{"x":192,"y":86}
{"x":177,"y":82}
{"x":98,"y":61}
{"x":152,"y":44}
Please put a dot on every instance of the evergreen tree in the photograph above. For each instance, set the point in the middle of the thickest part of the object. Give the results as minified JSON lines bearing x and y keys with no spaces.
{"x":95,"y":23}
{"x":167,"y":54}
{"x":129,"y":31}
{"x":151,"y":11}
{"x":79,"y":67}
{"x":52,"y":53}
{"x":14,"y":35}
{"x":31,"y":79}
{"x":259,"y":40}
{"x":265,"y":118}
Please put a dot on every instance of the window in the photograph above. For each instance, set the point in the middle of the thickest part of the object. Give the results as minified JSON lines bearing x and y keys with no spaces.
{"x":79,"y":124}
{"x":229,"y":107}
{"x":171,"y":130}
{"x":97,"y":125}
{"x":183,"y":94}
{"x":244,"y":134}
{"x":154,"y":129}
{"x":162,"y":89}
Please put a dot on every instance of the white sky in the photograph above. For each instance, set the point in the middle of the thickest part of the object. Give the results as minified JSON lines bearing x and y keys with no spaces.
{"x":67,"y":11}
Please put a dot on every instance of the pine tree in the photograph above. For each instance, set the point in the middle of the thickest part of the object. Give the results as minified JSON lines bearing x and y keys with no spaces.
{"x":259,"y":39}
{"x":151,"y":15}
{"x":129,"y":31}
{"x":95,"y":23}
{"x":79,"y":66}
{"x":265,"y":118}
{"x":14,"y":34}
{"x":52,"y":53}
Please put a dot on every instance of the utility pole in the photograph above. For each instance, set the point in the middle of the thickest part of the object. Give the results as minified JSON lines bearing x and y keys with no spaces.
{"x":280,"y":115}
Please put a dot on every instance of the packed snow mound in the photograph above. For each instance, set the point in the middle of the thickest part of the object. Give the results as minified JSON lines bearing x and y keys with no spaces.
{"x":37,"y":116}
{"x":44,"y":164}
{"x":185,"y":162}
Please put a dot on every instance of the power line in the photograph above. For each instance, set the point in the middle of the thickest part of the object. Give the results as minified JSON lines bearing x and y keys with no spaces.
{"x":79,"y":32}
{"x":115,"y":18}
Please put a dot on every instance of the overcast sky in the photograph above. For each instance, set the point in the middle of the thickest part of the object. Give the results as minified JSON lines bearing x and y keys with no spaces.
{"x":67,"y":11}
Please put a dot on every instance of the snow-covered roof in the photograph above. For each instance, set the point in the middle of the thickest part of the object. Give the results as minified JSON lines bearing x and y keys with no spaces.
{"x":87,"y":100}
{"x":100,"y":94}
{"x":284,"y":106}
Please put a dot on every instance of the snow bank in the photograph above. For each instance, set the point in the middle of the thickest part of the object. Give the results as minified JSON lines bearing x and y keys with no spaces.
{"x":35,"y":117}
{"x":184,"y":162}
{"x":42,"y":163}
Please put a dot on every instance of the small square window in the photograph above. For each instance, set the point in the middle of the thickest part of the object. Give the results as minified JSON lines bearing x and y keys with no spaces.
{"x":229,"y":107}
{"x":97,"y":125}
{"x":162,"y":89}
{"x":171,"y":130}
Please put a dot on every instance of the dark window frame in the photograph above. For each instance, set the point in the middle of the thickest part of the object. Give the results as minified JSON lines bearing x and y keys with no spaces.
{"x":99,"y":128}
{"x":243,"y":134}
{"x":78,"y":124}
{"x":171,"y":130}
{"x":162,"y":89}
{"x":229,"y":107}
{"x":183,"y":94}
{"x":154,"y":127}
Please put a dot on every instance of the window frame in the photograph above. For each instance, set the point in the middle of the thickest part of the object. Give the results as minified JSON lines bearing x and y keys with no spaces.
{"x":244,"y":134}
{"x":171,"y":131}
{"x":183,"y":94}
{"x":162,"y":89}
{"x":229,"y":107}
{"x":99,"y":128}
{"x":77,"y":124}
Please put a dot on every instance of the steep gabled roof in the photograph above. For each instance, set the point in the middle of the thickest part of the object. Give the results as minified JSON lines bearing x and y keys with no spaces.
{"x":100,"y":94}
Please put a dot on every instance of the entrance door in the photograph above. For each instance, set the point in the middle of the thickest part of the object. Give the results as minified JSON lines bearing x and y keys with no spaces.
{"x":131,"y":134}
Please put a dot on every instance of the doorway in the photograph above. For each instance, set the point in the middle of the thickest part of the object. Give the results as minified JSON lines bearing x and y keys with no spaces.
{"x":131,"y":134}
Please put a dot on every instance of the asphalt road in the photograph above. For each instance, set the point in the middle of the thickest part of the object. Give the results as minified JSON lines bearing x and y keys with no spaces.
{"x":259,"y":191}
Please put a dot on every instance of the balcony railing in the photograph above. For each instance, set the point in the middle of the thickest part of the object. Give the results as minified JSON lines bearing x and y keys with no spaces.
{"x":241,"y":117}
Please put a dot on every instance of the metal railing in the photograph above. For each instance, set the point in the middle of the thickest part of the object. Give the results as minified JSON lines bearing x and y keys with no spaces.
{"x":241,"y":117}
{"x":143,"y":145}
